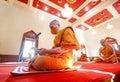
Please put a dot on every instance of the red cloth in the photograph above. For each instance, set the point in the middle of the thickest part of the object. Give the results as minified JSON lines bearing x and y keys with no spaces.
{"x":73,"y":76}
{"x":105,"y":67}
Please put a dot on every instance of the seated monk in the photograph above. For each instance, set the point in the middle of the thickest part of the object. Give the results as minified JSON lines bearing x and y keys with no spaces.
{"x":108,"y":53}
{"x":60,"y":56}
{"x":83,"y":57}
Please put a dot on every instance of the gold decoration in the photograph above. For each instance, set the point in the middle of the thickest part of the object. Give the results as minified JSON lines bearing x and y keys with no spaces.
{"x":98,"y":20}
{"x":71,"y":1}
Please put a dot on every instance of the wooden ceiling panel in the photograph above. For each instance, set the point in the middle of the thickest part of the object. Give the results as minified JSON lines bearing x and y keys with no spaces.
{"x":100,"y":17}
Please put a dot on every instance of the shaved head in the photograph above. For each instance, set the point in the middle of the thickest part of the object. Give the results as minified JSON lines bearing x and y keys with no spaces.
{"x":54,"y":26}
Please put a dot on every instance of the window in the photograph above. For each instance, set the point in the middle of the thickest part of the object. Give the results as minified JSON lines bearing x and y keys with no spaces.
{"x":29,"y":41}
{"x":28,"y":52}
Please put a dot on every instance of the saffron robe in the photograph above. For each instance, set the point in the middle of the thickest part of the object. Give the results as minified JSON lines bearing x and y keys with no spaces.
{"x":107,"y":53}
{"x":64,"y":38}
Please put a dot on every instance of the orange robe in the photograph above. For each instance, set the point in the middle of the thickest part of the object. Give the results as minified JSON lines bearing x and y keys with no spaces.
{"x":66,"y":39}
{"x":107,"y":52}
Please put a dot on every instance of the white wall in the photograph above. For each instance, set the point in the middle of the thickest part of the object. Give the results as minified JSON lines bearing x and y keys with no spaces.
{"x":17,"y":19}
{"x":93,"y":40}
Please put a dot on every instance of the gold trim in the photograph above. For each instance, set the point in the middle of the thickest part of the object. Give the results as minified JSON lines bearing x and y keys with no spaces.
{"x":97,"y":20}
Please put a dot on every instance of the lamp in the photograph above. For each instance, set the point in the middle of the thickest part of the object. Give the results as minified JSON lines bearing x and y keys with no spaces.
{"x":67,"y":11}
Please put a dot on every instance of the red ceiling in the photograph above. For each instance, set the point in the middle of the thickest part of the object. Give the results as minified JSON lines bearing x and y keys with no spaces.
{"x":98,"y":18}
{"x":75,"y":5}
{"x":24,"y":1}
{"x":89,"y":6}
{"x":82,"y":27}
{"x":72,"y":20}
{"x":116,"y":5}
{"x":40,"y":5}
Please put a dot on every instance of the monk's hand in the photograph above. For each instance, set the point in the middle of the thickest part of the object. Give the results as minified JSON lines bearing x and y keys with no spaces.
{"x":42,"y":51}
{"x":102,"y":58}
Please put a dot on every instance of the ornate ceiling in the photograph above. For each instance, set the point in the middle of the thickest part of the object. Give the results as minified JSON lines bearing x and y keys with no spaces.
{"x":87,"y":13}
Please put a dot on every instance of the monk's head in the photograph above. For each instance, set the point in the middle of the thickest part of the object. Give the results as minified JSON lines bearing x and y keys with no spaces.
{"x":102,"y":42}
{"x":54,"y":26}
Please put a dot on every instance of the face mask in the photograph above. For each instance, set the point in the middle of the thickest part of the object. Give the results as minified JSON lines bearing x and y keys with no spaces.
{"x":54,"y":30}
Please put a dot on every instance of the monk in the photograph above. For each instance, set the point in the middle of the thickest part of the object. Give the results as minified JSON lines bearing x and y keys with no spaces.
{"x":60,"y":56}
{"x":83,"y":56}
{"x":108,"y":53}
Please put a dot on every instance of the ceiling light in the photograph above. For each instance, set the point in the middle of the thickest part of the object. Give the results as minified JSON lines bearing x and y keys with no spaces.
{"x":67,"y":11}
{"x":86,"y":8}
{"x":94,"y":32}
{"x":58,"y":14}
{"x":109,"y":26}
{"x":46,"y":8}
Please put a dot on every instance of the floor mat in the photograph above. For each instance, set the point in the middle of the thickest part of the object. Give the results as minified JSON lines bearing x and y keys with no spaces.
{"x":23,"y":70}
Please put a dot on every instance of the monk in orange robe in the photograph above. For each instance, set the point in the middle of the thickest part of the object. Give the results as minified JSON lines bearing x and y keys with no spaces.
{"x":107,"y":51}
{"x":60,"y":55}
